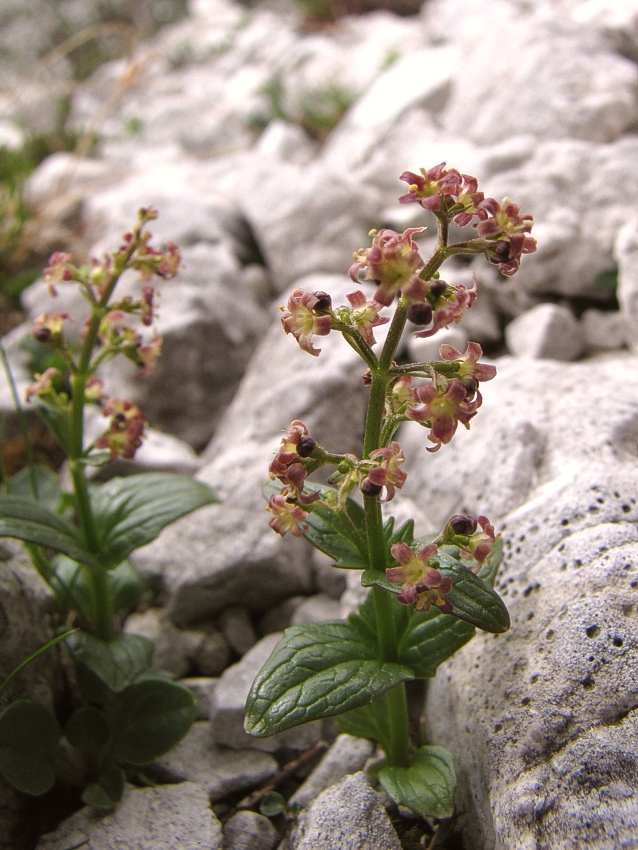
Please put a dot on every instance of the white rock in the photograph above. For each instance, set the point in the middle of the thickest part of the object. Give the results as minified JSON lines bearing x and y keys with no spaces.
{"x":249,"y":831}
{"x":548,"y":331}
{"x":161,"y":818}
{"x":604,"y":330}
{"x":316,"y":609}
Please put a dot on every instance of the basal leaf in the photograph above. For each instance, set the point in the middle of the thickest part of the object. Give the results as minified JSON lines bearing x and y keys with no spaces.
{"x":29,"y":736}
{"x":317,"y":670}
{"x":115,"y":663}
{"x":426,"y":786}
{"x":45,"y":481}
{"x":28,"y":520}
{"x":148,"y":718}
{"x":87,"y":730}
{"x":131,"y":512}
{"x":107,"y":789}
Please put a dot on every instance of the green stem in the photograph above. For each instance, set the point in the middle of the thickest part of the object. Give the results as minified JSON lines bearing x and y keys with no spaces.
{"x":397,"y":739}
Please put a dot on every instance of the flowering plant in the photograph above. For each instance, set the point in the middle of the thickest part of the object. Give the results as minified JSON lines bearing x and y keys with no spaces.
{"x":426,"y":596}
{"x":80,"y":542}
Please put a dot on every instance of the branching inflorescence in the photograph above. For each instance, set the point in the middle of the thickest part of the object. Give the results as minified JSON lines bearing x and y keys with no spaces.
{"x":443,"y":583}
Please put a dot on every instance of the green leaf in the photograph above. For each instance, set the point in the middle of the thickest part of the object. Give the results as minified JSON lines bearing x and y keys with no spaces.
{"x":30,"y":521}
{"x":368,"y":721}
{"x":430,"y":639}
{"x":131,"y":512}
{"x":341,"y":537}
{"x":87,"y":730}
{"x":473,"y":599}
{"x":72,"y":586}
{"x":318,"y":670}
{"x":29,"y":736}
{"x":116,"y":663}
{"x":426,"y":786}
{"x":148,"y":718}
{"x":107,"y":789}
{"x":47,"y":485}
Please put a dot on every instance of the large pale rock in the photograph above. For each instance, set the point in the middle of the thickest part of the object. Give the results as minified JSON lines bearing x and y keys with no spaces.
{"x":541,"y":722}
{"x":593,"y":89}
{"x":161,"y":818}
{"x":346,"y":755}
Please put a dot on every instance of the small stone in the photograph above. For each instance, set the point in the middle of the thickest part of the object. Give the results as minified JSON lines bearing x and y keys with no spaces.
{"x":316,"y":609}
{"x":249,"y":831}
{"x":237,"y":628}
{"x":547,"y":331}
{"x":347,"y":755}
{"x":201,"y":688}
{"x":604,"y":330}
{"x":218,"y":771}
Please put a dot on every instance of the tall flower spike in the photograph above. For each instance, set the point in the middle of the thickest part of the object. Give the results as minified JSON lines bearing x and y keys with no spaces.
{"x":300,"y":320}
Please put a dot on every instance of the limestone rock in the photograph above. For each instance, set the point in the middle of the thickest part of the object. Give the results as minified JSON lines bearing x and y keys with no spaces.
{"x":161,"y":818}
{"x":627,"y":255}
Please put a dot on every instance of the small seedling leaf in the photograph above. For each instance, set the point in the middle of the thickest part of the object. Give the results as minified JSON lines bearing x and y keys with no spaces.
{"x":426,"y":786}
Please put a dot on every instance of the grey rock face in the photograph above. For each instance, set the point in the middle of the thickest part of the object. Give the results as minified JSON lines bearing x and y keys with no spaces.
{"x":160,"y":818}
{"x":349,"y":816}
{"x":542,"y":720}
{"x":627,"y":256}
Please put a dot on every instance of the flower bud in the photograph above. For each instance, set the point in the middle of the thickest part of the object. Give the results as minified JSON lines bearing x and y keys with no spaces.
{"x":420,"y":313}
{"x":463,"y":524}
{"x":369,"y":488}
{"x":306,"y":445}
{"x":438,"y":288}
{"x":324,"y":302}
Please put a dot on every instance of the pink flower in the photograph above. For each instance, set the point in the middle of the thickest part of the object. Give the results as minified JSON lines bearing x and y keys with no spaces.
{"x":302,"y":323}
{"x":393,"y":262}
{"x":432,"y":188}
{"x":59,"y":270}
{"x":388,"y":474}
{"x":480,"y":543}
{"x":287,"y":465}
{"x":469,"y":370}
{"x":421,"y":582}
{"x":449,"y":305}
{"x":442,"y":411}
{"x":43,"y":384}
{"x":146,"y":305}
{"x":365,"y":315}
{"x":126,"y":429}
{"x":510,"y":233}
{"x":287,"y":516}
{"x":403,"y":396}
{"x":48,"y":328}
{"x":147,"y":356}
